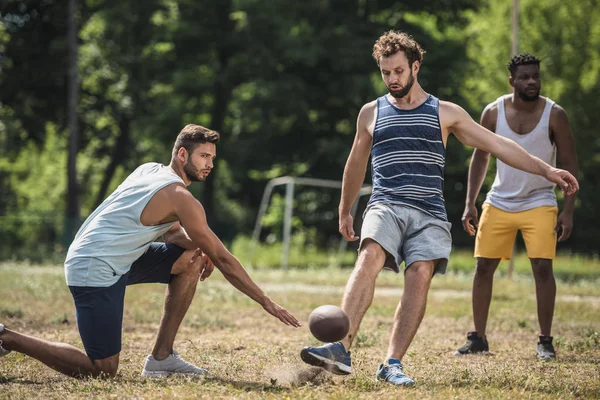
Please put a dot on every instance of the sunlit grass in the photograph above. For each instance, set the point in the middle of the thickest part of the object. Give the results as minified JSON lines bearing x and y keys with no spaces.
{"x":251,"y":355}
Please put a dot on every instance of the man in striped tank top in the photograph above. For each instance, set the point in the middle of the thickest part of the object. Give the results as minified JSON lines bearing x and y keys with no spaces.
{"x":405,"y":133}
{"x":518,"y":200}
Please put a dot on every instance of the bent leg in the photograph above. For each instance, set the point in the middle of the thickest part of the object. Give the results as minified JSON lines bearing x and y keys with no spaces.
{"x":178,"y":297}
{"x":411,"y":309}
{"x":360,"y":288}
{"x":545,"y":291}
{"x":61,"y":357}
{"x":483,"y":283}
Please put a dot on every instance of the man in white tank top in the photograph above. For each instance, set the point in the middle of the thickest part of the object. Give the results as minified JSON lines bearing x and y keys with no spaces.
{"x":114,"y":248}
{"x":519,"y":200}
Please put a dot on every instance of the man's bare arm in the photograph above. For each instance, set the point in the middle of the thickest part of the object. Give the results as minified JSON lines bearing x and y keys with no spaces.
{"x":193,"y":218}
{"x":459,"y":122}
{"x":565,"y":144}
{"x":479,"y":161}
{"x":477,"y":171}
{"x":356,"y":168}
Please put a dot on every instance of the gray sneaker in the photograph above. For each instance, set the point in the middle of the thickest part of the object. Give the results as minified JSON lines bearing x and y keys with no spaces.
{"x":173,"y":364}
{"x":3,"y":351}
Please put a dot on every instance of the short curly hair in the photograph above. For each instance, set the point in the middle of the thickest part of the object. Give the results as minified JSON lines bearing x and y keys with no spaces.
{"x":522,"y":59}
{"x":392,"y":42}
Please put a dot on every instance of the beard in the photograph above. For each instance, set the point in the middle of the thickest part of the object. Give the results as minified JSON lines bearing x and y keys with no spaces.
{"x":192,"y":172}
{"x":398,"y":94}
{"x":525,"y":97}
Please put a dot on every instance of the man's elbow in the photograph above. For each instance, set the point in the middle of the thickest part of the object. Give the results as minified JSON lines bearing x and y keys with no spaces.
{"x":168,"y":238}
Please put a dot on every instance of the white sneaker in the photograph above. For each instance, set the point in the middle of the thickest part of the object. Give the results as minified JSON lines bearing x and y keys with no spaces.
{"x":3,"y":351}
{"x":173,"y":364}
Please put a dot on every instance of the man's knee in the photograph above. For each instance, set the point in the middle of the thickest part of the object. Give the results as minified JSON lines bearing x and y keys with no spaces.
{"x":186,"y":264}
{"x":371,"y":256}
{"x":107,"y":367}
{"x":486,"y":267}
{"x":422,"y":270}
{"x":542,"y":269}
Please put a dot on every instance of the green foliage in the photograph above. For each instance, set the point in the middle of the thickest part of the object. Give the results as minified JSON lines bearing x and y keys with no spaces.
{"x":566,"y":36}
{"x":283,"y":82}
{"x":33,"y":227}
{"x":303,"y":254}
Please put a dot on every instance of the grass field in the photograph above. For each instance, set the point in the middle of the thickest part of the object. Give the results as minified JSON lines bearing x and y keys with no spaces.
{"x":251,"y":355}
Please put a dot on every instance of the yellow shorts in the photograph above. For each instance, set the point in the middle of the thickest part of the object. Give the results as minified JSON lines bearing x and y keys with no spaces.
{"x":498,"y":229}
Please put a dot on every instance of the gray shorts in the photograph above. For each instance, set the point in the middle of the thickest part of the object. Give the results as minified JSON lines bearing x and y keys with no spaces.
{"x":408,"y":235}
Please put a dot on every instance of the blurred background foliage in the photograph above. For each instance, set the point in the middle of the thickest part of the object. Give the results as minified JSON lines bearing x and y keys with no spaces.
{"x":282,"y":81}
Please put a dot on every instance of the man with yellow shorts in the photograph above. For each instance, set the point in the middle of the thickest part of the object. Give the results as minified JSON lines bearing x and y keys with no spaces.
{"x":519,"y":200}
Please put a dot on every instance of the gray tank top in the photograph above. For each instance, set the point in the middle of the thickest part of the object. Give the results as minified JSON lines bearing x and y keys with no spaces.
{"x":113,"y":237}
{"x":515,"y":190}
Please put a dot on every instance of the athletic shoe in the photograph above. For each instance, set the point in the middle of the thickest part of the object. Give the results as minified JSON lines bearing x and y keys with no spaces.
{"x":392,"y":373}
{"x":475,"y":345}
{"x":3,"y":351}
{"x":173,"y":364}
{"x":545,"y":349}
{"x":333,"y":357}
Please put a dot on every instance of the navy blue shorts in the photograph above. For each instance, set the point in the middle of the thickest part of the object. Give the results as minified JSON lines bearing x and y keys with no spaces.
{"x":100,"y":309}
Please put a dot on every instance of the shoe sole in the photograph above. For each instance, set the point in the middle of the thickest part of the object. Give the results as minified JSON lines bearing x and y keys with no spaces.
{"x":408,"y":384}
{"x":550,"y":358}
{"x":477,"y":353}
{"x":325,"y":363}
{"x":164,"y":374}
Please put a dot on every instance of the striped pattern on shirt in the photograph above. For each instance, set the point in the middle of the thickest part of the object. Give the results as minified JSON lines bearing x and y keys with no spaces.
{"x":408,"y":157}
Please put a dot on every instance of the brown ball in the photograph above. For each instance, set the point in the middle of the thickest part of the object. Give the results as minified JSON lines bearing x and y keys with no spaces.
{"x":328,"y":323}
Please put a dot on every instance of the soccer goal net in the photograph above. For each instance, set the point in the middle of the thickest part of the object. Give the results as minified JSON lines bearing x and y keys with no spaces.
{"x":307,"y":202}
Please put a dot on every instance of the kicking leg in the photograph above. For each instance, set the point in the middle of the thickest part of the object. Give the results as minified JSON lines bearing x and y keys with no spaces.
{"x":360,"y":288}
{"x":334,"y":357}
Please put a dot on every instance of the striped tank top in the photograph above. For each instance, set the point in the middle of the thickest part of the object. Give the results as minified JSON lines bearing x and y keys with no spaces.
{"x":408,"y":157}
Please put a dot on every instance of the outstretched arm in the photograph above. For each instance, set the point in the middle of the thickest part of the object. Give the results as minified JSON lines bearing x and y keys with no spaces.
{"x":459,"y":122}
{"x":192,"y":216}
{"x":355,"y":170}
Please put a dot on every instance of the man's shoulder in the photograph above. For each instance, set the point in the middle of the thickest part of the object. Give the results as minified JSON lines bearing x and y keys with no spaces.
{"x":366,"y":116}
{"x":557,"y":109}
{"x":369,"y":107}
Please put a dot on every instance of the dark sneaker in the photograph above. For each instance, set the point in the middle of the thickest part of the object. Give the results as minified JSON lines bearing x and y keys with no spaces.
{"x":545,"y":349}
{"x":3,"y":351}
{"x":333,"y":357}
{"x":392,"y":373}
{"x":475,"y":345}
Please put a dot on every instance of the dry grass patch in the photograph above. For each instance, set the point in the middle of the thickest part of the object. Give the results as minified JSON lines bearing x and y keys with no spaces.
{"x":251,"y":355}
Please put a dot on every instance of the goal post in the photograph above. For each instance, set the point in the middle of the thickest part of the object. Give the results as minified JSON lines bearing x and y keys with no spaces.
{"x":290,"y":182}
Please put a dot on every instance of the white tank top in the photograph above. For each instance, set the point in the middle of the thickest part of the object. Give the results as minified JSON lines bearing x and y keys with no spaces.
{"x":515,"y":190}
{"x":113,"y":236}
